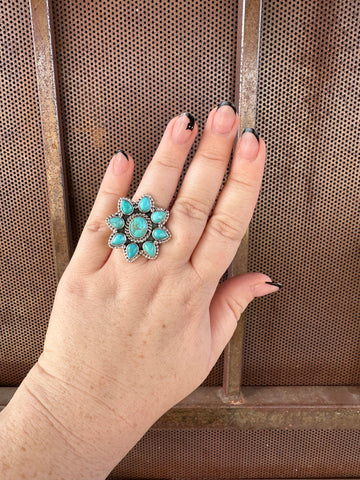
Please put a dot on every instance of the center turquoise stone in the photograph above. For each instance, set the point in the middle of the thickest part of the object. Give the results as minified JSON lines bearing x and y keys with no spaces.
{"x":138,"y":227}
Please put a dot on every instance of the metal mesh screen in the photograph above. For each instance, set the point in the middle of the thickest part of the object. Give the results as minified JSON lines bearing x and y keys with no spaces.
{"x":305,"y":232}
{"x":232,"y":455}
{"x":125,"y":69}
{"x":27,"y":275}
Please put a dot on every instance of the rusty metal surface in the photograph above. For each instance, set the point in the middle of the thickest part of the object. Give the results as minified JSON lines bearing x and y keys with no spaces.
{"x":125,"y":70}
{"x":229,"y":454}
{"x":261,"y":408}
{"x":269,"y":408}
{"x":27,"y":273}
{"x":51,"y":130}
{"x":305,"y":231}
{"x":248,"y":38}
{"x":5,"y":395}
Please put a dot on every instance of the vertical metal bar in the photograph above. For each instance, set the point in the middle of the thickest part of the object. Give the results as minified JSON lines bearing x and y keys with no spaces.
{"x":249,"y":18}
{"x":41,"y":19}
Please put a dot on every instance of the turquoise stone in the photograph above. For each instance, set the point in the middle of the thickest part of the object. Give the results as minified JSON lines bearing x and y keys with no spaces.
{"x":138,"y":227}
{"x":145,"y":204}
{"x":159,"y":234}
{"x":158,"y":217}
{"x":118,"y":239}
{"x":126,"y":207}
{"x":117,"y":222}
{"x":149,"y":248}
{"x":132,"y":250}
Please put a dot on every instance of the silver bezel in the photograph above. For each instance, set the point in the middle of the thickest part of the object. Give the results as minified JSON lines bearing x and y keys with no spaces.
{"x":151,"y":227}
{"x":119,"y":206}
{"x":165,"y":230}
{"x":152,"y":203}
{"x":134,"y":257}
{"x":114,"y":229}
{"x":166,"y":216}
{"x":148,"y":230}
{"x":144,"y":254}
{"x":112,"y":236}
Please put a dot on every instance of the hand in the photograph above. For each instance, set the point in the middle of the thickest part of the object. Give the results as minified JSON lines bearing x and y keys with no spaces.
{"x":133,"y":339}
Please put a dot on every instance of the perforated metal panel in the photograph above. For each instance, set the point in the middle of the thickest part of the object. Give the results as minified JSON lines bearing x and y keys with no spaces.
{"x":125,"y":69}
{"x":232,"y":455}
{"x":27,"y":274}
{"x":306,"y":229}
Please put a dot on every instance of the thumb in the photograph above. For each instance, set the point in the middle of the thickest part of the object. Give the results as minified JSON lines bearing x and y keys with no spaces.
{"x":230,"y":301}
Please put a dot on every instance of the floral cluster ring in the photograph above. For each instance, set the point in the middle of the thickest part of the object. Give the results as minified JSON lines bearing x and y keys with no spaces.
{"x":138,"y":228}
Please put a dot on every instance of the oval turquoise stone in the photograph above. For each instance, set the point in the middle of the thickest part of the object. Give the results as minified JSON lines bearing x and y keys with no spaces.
{"x":118,"y":239}
{"x":159,"y":234}
{"x":149,"y":248}
{"x":145,"y":204}
{"x":126,"y":207}
{"x":117,"y":222}
{"x":138,"y":227}
{"x":158,"y":217}
{"x":132,"y":250}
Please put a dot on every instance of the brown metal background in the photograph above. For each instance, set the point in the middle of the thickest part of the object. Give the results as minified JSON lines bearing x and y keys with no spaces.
{"x":306,"y":229}
{"x":27,"y":274}
{"x":228,"y":454}
{"x":125,"y":69}
{"x":119,"y":62}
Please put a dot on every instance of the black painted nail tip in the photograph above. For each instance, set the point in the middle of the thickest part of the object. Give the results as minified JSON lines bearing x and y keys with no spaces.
{"x":276,"y":284}
{"x":254,"y":132}
{"x":124,"y":153}
{"x":190,"y":125}
{"x":226,"y":102}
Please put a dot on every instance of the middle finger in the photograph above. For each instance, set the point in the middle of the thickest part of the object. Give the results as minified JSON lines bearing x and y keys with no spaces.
{"x":203,"y":179}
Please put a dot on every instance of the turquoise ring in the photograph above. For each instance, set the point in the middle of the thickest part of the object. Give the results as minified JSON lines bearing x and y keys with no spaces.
{"x":138,"y":228}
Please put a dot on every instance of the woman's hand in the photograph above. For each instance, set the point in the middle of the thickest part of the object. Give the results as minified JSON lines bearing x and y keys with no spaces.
{"x":130,"y":340}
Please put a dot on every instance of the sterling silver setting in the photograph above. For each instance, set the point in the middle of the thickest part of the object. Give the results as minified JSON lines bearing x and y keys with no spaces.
{"x":138,"y":228}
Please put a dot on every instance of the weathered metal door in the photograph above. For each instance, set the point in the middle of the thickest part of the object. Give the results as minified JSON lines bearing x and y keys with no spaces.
{"x":79,"y":80}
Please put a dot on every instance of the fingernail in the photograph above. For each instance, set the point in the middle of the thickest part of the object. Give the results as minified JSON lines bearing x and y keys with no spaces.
{"x":226,"y":102}
{"x":253,"y":131}
{"x":249,"y":145}
{"x":276,"y":284}
{"x":120,"y":162}
{"x":124,"y":153}
{"x":224,"y":118}
{"x":183,"y":128}
{"x":262,"y":289}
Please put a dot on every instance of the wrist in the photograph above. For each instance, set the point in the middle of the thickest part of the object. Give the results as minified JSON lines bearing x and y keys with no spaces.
{"x":61,"y":432}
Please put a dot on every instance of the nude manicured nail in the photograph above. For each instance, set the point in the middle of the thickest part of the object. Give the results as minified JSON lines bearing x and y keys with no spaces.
{"x":249,"y":144}
{"x":253,"y":131}
{"x":276,"y":284}
{"x":183,"y":128}
{"x":124,"y":153}
{"x":120,"y":163}
{"x":224,"y":118}
{"x":262,"y":289}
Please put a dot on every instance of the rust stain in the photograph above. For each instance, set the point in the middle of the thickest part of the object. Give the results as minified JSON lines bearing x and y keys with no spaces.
{"x":95,"y":134}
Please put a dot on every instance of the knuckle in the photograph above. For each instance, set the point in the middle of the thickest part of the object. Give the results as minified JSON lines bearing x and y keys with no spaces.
{"x":184,"y":242}
{"x":241,"y":183}
{"x":227,"y":227}
{"x":168,"y":162}
{"x":109,"y":193}
{"x":237,"y":307}
{"x":213,"y":156}
{"x":192,"y":209}
{"x":74,"y":284}
{"x":96,"y":225}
